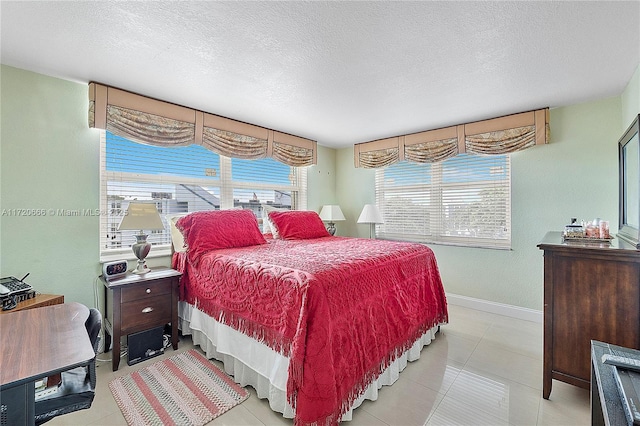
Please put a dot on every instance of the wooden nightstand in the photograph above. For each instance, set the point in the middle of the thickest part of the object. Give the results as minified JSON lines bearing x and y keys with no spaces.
{"x":139,"y":302}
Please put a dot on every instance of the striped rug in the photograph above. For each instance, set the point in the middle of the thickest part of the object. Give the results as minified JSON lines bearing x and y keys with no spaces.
{"x":185,"y":389}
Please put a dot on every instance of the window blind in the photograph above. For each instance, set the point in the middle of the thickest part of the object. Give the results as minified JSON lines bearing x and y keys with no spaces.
{"x":185,"y":179}
{"x":464,"y":200}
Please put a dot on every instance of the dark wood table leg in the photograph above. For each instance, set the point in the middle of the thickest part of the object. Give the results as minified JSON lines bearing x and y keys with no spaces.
{"x":116,"y":323}
{"x":174,"y":313}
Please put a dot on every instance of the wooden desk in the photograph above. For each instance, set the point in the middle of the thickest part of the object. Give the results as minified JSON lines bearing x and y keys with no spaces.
{"x":38,"y":301}
{"x":36,"y":343}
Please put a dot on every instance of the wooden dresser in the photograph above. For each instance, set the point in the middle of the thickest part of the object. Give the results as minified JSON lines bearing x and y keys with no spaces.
{"x":591,"y":292}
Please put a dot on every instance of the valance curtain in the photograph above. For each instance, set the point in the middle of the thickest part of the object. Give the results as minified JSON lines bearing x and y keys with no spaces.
{"x":234,"y":139}
{"x":159,"y":123}
{"x":501,"y":141}
{"x":149,"y":128}
{"x":378,"y":153}
{"x":293,"y":150}
{"x":501,"y":135}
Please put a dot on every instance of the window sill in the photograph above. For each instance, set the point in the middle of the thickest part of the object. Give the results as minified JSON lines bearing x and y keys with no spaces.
{"x":127,"y":254}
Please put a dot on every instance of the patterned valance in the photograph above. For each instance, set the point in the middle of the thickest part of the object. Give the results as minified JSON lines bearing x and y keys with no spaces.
{"x":431,"y":146}
{"x":431,"y":152}
{"x":150,"y":129}
{"x":507,"y":134}
{"x":159,"y":123}
{"x":293,"y":150}
{"x":501,"y":135}
{"x":234,"y":139}
{"x":502,"y":141}
{"x":232,"y":144}
{"x":380,"y":153}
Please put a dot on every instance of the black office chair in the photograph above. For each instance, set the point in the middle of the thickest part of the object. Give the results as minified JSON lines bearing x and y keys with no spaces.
{"x":78,"y":386}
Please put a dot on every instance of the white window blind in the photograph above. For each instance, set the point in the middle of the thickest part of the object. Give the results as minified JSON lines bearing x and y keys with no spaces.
{"x":464,"y":200}
{"x":185,"y":179}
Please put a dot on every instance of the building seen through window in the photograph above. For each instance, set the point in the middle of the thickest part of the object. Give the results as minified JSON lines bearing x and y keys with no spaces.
{"x":187,"y":179}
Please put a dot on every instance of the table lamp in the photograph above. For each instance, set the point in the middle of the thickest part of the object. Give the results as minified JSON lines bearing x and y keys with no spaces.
{"x":331,"y":214}
{"x":371,"y":215}
{"x":141,"y":216}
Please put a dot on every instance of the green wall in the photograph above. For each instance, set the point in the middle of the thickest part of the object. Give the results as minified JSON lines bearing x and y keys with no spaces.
{"x":631,"y":100}
{"x":49,"y":163}
{"x":49,"y":160}
{"x":322,"y":180}
{"x":575,"y":175}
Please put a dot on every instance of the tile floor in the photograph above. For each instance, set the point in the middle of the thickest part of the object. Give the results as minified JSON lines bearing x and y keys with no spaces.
{"x":482,"y":369}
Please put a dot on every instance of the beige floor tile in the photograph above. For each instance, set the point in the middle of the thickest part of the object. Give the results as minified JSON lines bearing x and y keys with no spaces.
{"x":116,"y":419}
{"x":452,"y":411}
{"x":501,"y":398}
{"x":452,"y":346}
{"x":405,"y":403}
{"x":363,"y":418}
{"x":567,"y":405}
{"x":523,"y":337}
{"x":569,"y":394}
{"x":510,"y":365}
{"x":471,"y":325}
{"x":482,"y":369}
{"x":237,"y":416}
{"x":261,"y":410}
{"x":555,"y":412}
{"x":433,"y":371}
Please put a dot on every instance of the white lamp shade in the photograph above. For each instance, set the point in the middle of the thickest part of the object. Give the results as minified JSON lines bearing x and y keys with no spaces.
{"x":141,"y":216}
{"x":331,"y":213}
{"x":370,"y":214}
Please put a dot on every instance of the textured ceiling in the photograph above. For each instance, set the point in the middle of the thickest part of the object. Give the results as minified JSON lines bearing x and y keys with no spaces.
{"x":336,"y":72}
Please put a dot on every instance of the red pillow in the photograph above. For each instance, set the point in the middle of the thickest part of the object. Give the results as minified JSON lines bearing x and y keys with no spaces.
{"x":217,"y":229}
{"x":298,"y":225}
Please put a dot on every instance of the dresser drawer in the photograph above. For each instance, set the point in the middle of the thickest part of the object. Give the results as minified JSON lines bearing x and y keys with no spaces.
{"x":150,"y":289}
{"x":145,"y":313}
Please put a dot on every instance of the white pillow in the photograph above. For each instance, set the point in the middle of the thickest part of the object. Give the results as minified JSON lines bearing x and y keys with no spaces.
{"x":177,"y":239}
{"x":267,"y":224}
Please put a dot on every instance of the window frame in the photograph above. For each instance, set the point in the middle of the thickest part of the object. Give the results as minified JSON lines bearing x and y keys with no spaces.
{"x":223,"y":181}
{"x":433,"y":190}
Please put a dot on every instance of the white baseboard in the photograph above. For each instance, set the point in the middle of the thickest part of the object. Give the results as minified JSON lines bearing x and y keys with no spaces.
{"x":495,"y":308}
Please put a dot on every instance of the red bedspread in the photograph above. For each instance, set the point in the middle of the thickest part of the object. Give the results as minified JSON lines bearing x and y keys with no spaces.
{"x":342,"y":309}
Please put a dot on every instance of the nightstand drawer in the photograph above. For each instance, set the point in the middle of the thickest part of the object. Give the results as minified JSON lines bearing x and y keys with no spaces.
{"x":145,"y":313}
{"x":151,"y":289}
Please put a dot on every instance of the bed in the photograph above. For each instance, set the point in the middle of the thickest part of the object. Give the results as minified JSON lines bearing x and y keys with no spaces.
{"x":315,"y":323}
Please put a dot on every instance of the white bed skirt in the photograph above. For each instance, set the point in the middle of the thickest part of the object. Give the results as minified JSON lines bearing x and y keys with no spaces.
{"x":253,"y":363}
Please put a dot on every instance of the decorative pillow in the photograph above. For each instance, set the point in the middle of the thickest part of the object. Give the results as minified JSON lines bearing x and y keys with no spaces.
{"x":176,"y":236}
{"x":298,"y":225}
{"x":267,"y":226}
{"x":217,"y":229}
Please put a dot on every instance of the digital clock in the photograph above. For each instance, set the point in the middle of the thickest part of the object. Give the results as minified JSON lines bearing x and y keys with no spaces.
{"x":115,"y":269}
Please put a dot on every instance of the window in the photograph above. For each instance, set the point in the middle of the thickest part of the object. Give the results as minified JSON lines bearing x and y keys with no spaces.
{"x":185,"y":179}
{"x":464,"y":200}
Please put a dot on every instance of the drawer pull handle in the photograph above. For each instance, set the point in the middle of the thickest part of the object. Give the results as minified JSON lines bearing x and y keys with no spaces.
{"x":148,"y":290}
{"x":147,"y":310}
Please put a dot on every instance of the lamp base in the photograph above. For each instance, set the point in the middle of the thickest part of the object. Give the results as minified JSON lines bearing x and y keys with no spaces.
{"x":142,"y":267}
{"x":141,"y":249}
{"x":331,"y":228}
